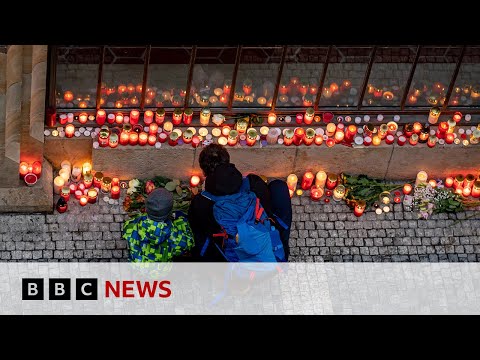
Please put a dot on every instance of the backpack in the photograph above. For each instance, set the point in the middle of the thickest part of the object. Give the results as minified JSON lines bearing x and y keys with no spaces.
{"x":242,"y":216}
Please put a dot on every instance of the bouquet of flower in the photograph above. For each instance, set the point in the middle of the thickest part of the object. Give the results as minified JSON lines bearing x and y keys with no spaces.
{"x":139,"y":189}
{"x":430,"y":200}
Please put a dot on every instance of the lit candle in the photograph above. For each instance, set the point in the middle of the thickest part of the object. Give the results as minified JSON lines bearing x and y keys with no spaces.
{"x":177,"y":116}
{"x":58,"y":184}
{"x":173,"y":138}
{"x":291,"y":192}
{"x":226,"y":130}
{"x":330,"y":142}
{"x":97,"y":179}
{"x":432,"y":140}
{"x":272,"y":119}
{"x":299,"y":134}
{"x":339,"y":192}
{"x":187,"y":136}
{"x":457,"y":116}
{"x":412,"y":99}
{"x":83,"y":200}
{"x":88,"y":180}
{"x":288,"y":137}
{"x":222,"y":140}
{"x":216,"y":132}
{"x":475,"y":136}
{"x":449,"y":138}
{"x":392,"y":127}
{"x":332,"y":181}
{"x":292,"y":181}
{"x":86,"y":168}
{"x":407,"y":189}
{"x":92,"y":196}
{"x":350,"y":133}
{"x":451,"y":126}
{"x":133,"y":138}
{"x":466,"y":191}
{"x":23,"y":169}
{"x":307,"y":180}
{"x":83,"y":118}
{"x":458,"y":182}
{"x":309,"y":137}
{"x":115,"y":192}
{"x":263,"y":132}
{"x":320,"y":179}
{"x":68,"y":96}
{"x":111,"y":118}
{"x":167,"y":127}
{"x":476,"y":189}
{"x":413,"y":139}
{"x":147,"y":117}
{"x":195,"y":141}
{"x":113,"y":140}
{"x":124,"y":138}
{"x":434,"y":115}
{"x":73,"y":188}
{"x":69,"y":130}
{"x":205,"y":116}
{"x":106,"y":185}
{"x":251,"y":137}
{"x":134,"y":117}
{"x":422,"y":178}
{"x":318,"y":140}
{"x":385,"y":197}
{"x":417,"y":127}
{"x":449,"y":182}
{"x":153,"y":129}
{"x":330,"y":130}
{"x":194,"y":181}
{"x":469,"y":180}
{"x":376,"y":140}
{"x":232,"y":137}
{"x":309,"y":115}
{"x":316,"y":193}
{"x":359,"y":208}
{"x":152,"y":140}
{"x":432,"y":183}
{"x":187,"y":116}
{"x":326,"y":93}
{"x":162,"y":137}
{"x":159,"y":116}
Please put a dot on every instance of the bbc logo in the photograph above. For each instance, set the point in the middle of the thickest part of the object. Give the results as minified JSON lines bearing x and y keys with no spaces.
{"x":59,"y":289}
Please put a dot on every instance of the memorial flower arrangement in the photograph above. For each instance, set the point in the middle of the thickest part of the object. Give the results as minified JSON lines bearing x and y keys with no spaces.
{"x":138,"y":190}
{"x":428,"y":200}
{"x":362,"y":187}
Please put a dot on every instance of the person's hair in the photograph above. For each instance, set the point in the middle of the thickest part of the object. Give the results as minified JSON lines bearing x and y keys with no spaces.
{"x":212,"y":156}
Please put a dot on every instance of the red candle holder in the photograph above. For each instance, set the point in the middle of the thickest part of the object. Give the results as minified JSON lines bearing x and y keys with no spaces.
{"x":401,"y":140}
{"x":309,"y":137}
{"x":307,"y":180}
{"x":327,"y":117}
{"x":449,"y":182}
{"x":160,"y":116}
{"x":309,"y":115}
{"x":298,"y":137}
{"x":332,"y":181}
{"x":359,"y":208}
{"x":272,"y":119}
{"x":408,"y":130}
{"x":195,"y":141}
{"x":251,"y":137}
{"x":83,"y":118}
{"x":339,"y":136}
{"x":350,"y":133}
{"x":152,"y":140}
{"x":417,"y":128}
{"x":389,"y":139}
{"x":449,"y":138}
{"x":413,"y":140}
{"x":153,"y":129}
{"x":133,"y":138}
{"x":83,"y":200}
{"x":142,"y":138}
{"x":173,"y":139}
{"x":232,"y":137}
{"x":457,"y":116}
{"x":63,"y":119}
{"x":124,"y":138}
{"x":407,"y":189}
{"x":330,"y":142}
{"x":299,"y":118}
{"x":316,"y":193}
{"x":367,"y":141}
{"x":432,"y":141}
{"x":23,"y":169}
{"x":288,"y":137}
{"x":194,"y":181}
{"x":162,"y":137}
{"x":69,"y":131}
{"x":476,"y":189}
{"x":134,"y":117}
{"x":318,"y":140}
{"x":37,"y":168}
{"x":177,"y":116}
{"x":73,"y":188}
{"x":187,"y":116}
{"x":115,"y":192}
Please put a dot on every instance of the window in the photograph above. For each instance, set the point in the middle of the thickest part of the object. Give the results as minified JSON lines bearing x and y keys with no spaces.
{"x":257,"y":75}
{"x":77,"y":77}
{"x":345,"y":76}
{"x":466,"y":91}
{"x":301,"y":76}
{"x":389,"y":75}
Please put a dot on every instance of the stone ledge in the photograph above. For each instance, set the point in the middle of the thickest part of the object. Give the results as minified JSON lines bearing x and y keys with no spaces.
{"x":35,"y":199}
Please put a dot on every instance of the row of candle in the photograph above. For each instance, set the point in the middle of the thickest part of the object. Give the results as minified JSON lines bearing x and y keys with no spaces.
{"x":30,"y":172}
{"x":466,"y":186}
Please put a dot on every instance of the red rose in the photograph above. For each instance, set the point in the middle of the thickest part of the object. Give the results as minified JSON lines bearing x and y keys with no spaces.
{"x":149,"y":187}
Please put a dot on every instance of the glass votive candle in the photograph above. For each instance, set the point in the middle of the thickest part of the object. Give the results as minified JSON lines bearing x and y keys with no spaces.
{"x":330,"y":142}
{"x":222,"y":140}
{"x":331,"y":182}
{"x":97,"y":179}
{"x":339,"y":192}
{"x":299,"y":134}
{"x":309,"y":115}
{"x":389,"y":139}
{"x":232,"y":137}
{"x":92,"y":195}
{"x":316,"y":193}
{"x":251,"y":137}
{"x":422,"y":178}
{"x":205,"y":116}
{"x":407,"y":189}
{"x":142,"y":138}
{"x":318,"y":140}
{"x":272,"y":136}
{"x":299,"y":118}
{"x":469,"y":180}
{"x":153,"y":129}
{"x":309,"y":137}
{"x":449,"y":138}
{"x":376,"y":140}
{"x":115,"y":192}
{"x":359,"y":208}
{"x":113,"y":140}
{"x":271,"y":119}
{"x":401,"y":140}
{"x":173,"y":138}
{"x":288,"y":137}
{"x":65,"y":193}
{"x":133,"y":138}
{"x":367,"y":141}
{"x":152,"y":140}
{"x":160,"y":116}
{"x":476,"y":189}
{"x":87,"y":181}
{"x":413,"y":140}
{"x":177,"y":116}
{"x":432,"y":140}
{"x":449,"y":182}
{"x":330,"y":130}
{"x":106,"y":184}
{"x":101,"y":117}
{"x":307,"y":180}
{"x":83,"y":200}
{"x":339,"y":136}
{"x":187,"y":136}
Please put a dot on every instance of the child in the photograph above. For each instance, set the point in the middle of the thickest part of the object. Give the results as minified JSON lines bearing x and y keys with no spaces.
{"x":158,"y":235}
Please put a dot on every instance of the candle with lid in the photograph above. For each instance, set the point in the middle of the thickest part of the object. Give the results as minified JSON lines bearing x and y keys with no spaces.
{"x":205,"y":116}
{"x":359,"y":208}
{"x":307,"y":180}
{"x":309,"y":115}
{"x":476,"y":189}
{"x":87,"y":181}
{"x":97,"y":179}
{"x":251,"y":137}
{"x":159,"y":116}
{"x":332,"y":181}
{"x":288,"y":137}
{"x":309,"y":137}
{"x":292,"y":181}
{"x":432,"y":140}
{"x":422,"y":178}
{"x":115,"y":192}
{"x":272,"y":119}
{"x":298,"y":136}
{"x":434,"y":115}
{"x":92,"y":195}
{"x":232,"y":137}
{"x":413,"y":139}
{"x":339,"y":192}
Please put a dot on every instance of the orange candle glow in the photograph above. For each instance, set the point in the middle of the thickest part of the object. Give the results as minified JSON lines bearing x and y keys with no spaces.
{"x":115,"y":192}
{"x":376,"y":140}
{"x":153,"y":129}
{"x":339,"y":136}
{"x":118,"y":104}
{"x":119,"y":118}
{"x":457,"y":116}
{"x":407,"y":189}
{"x":449,"y":182}
{"x":68,"y":96}
{"x":307,"y":180}
{"x":316,"y":193}
{"x":101,"y":117}
{"x":272,"y":119}
{"x":148,"y":117}
{"x":194,"y":181}
{"x":92,"y":196}
{"x":134,"y":117}
{"x":333,"y":87}
{"x":37,"y":168}
{"x":152,"y":139}
{"x":83,"y":118}
{"x":432,"y":183}
{"x":318,"y":140}
{"x":69,"y":130}
{"x":292,"y":181}
{"x":449,"y":138}
{"x":167,"y":127}
{"x":23,"y":169}
{"x":331,"y":128}
{"x":320,"y":179}
{"x":476,"y":189}
{"x":226,"y":130}
{"x":417,"y":127}
{"x":142,"y":138}
{"x":83,"y":200}
{"x":359,"y":208}
{"x":466,"y":191}
{"x":133,"y":138}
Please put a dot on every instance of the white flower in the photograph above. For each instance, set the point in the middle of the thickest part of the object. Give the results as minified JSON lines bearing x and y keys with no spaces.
{"x":133,"y":183}
{"x":131,"y":190}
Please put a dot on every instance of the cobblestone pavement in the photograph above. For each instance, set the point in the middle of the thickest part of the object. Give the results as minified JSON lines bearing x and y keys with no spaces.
{"x":320,"y":232}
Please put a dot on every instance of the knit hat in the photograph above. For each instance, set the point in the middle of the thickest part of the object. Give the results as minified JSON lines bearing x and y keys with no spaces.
{"x":159,"y":204}
{"x":225,"y":180}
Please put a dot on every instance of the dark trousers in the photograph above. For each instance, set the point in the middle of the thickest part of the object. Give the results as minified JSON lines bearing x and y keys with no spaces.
{"x":282,"y":207}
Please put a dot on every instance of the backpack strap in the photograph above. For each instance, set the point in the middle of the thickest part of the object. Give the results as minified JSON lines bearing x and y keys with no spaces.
{"x":258,"y":211}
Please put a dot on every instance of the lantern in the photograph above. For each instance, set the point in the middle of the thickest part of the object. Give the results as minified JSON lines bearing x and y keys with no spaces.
{"x":449,"y":138}
{"x":106,"y":184}
{"x":376,"y":140}
{"x":359,"y":208}
{"x":350,"y":133}
{"x":92,"y":195}
{"x":309,"y":115}
{"x":251,"y":137}
{"x":331,"y":182}
{"x":103,"y":137}
{"x":152,"y":140}
{"x":469,"y":180}
{"x":320,"y":179}
{"x":167,"y":127}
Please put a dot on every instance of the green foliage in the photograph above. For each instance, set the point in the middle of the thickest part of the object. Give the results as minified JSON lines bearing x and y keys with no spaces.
{"x":362,"y":187}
